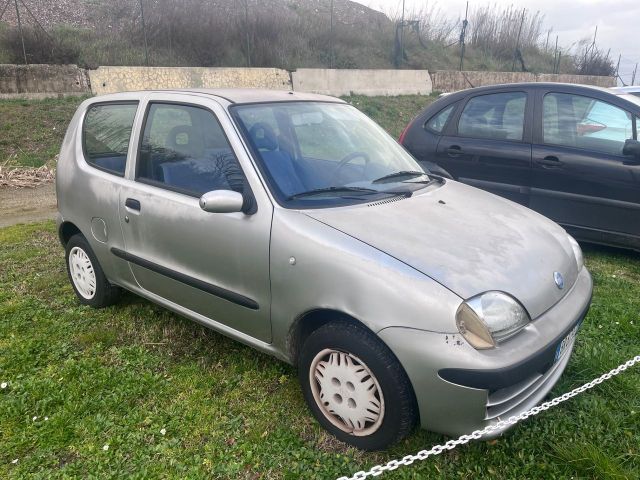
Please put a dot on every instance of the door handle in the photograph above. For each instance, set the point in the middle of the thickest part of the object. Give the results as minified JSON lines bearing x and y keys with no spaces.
{"x":133,"y":204}
{"x":550,"y":161}
{"x":454,"y":151}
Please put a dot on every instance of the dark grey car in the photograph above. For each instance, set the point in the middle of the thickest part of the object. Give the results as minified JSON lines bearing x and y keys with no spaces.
{"x":570,"y":152}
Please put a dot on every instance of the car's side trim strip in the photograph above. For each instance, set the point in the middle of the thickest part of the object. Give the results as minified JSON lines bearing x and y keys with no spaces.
{"x":188,"y":280}
{"x":609,"y":202}
{"x":474,"y":182}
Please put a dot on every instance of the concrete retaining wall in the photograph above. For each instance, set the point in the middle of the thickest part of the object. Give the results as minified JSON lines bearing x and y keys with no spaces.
{"x":361,"y":82}
{"x":121,"y":79}
{"x":451,"y":80}
{"x":39,"y":81}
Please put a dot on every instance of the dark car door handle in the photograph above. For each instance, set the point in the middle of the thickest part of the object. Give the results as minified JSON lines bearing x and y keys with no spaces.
{"x":132,"y":203}
{"x":549,"y":162}
{"x":454,"y":150}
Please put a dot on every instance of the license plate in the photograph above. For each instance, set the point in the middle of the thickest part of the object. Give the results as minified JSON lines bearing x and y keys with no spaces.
{"x":568,"y":340}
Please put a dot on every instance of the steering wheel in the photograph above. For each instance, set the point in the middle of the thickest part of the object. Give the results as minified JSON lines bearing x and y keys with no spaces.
{"x":345,"y":161}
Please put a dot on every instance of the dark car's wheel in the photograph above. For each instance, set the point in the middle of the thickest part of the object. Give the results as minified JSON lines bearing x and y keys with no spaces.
{"x":355,"y":386}
{"x":86,"y":275}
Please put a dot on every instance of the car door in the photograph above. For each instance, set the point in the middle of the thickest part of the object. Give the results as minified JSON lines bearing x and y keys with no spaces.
{"x":489,"y":144}
{"x":88,"y":192}
{"x":580,"y":177}
{"x":213,"y":264}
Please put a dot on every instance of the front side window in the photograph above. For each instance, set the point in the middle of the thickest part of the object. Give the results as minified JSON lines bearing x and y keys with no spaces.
{"x":318,"y":154}
{"x":439,"y":120}
{"x":499,"y":116}
{"x":106,"y":132}
{"x":584,"y":122}
{"x":184,"y":149}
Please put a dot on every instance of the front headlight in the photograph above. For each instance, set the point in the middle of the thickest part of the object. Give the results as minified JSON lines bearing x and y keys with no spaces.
{"x":490,"y":318}
{"x":577,"y":252}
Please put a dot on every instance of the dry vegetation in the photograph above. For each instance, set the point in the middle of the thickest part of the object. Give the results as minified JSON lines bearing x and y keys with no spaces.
{"x":291,"y":34}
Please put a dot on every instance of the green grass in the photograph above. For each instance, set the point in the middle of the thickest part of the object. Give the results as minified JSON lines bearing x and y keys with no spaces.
{"x":31,"y":131}
{"x":392,"y":113}
{"x":119,"y":376}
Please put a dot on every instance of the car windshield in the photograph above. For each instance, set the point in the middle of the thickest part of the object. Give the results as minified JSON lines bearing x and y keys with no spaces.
{"x":317,"y":154}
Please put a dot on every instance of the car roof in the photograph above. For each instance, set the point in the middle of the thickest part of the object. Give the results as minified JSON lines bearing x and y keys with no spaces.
{"x":232,"y":95}
{"x":628,"y":89}
{"x":516,"y":86}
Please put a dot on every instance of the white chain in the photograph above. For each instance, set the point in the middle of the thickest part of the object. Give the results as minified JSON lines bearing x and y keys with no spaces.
{"x":451,"y":444}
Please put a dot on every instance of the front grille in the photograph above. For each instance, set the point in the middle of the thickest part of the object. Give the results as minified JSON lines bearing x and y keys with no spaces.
{"x":511,"y":400}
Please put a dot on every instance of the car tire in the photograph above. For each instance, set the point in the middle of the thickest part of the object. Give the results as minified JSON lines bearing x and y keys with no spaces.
{"x":356,"y":387}
{"x":85,"y":273}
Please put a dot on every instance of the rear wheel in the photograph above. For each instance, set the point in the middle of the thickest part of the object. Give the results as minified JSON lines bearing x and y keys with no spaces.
{"x":355,"y":386}
{"x":87,"y":278}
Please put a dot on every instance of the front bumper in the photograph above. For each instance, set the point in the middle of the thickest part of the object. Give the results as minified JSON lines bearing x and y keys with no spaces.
{"x":460,"y":389}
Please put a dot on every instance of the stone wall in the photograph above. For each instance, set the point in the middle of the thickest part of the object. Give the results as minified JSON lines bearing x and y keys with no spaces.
{"x":583,"y":79}
{"x":121,"y":79}
{"x":453,"y":80}
{"x":39,"y":81}
{"x":361,"y":82}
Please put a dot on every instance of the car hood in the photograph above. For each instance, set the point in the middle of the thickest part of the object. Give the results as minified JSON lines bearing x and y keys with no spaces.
{"x":468,"y":240}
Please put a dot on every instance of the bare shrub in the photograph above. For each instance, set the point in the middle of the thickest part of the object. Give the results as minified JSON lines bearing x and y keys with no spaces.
{"x":590,"y":60}
{"x":496,"y":31}
{"x":39,"y":46}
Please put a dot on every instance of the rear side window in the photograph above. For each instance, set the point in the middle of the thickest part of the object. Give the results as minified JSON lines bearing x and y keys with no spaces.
{"x":106,"y":132}
{"x":185,"y":149}
{"x":499,"y":116}
{"x":439,"y":120}
{"x":584,"y":122}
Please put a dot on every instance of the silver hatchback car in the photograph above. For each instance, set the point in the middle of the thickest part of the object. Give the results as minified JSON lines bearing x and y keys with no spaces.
{"x":293,"y":223}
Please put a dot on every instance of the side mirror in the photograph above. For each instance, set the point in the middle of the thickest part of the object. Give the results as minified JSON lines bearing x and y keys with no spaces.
{"x":632,"y":148}
{"x":222,"y":201}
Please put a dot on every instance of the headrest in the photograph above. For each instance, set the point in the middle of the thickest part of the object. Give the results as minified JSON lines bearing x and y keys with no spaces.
{"x":184,"y":140}
{"x":263,"y":136}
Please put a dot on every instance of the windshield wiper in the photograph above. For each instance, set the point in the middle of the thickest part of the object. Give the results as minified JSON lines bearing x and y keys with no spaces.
{"x":404,"y":173}
{"x":319,"y":191}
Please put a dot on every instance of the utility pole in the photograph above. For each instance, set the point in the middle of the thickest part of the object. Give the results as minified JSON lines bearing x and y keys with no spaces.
{"x":618,"y":66}
{"x":24,"y":50}
{"x":246,"y":27}
{"x":144,"y":33}
{"x":515,"y":52}
{"x":462,"y":35}
{"x":331,"y":36}
{"x":633,"y":77}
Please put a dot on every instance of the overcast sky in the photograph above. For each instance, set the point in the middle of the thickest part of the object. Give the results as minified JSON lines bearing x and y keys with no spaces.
{"x":617,"y":21}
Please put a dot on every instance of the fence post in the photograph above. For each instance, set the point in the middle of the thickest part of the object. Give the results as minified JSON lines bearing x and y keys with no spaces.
{"x":144,"y":33}
{"x":462,"y":35}
{"x":24,"y":51}
{"x":515,"y":52}
{"x":331,"y":36}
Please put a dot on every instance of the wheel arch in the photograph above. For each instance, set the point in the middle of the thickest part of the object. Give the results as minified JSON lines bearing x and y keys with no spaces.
{"x":66,"y":230}
{"x":309,"y":322}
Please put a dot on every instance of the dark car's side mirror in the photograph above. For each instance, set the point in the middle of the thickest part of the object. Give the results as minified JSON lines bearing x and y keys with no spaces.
{"x":632,"y":149}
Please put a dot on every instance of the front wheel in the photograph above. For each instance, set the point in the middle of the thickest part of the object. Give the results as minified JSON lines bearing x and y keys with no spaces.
{"x":355,"y":386}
